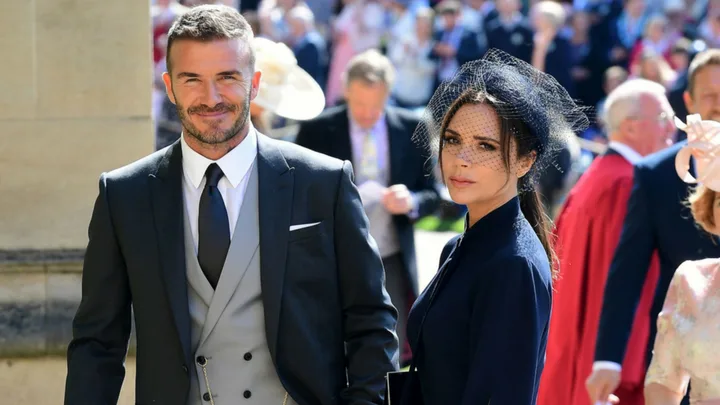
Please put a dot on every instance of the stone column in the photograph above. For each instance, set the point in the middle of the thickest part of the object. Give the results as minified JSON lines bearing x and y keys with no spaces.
{"x":75,"y":100}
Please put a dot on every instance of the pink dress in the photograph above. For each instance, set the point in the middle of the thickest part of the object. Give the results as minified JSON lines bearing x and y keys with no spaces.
{"x":687,"y":346}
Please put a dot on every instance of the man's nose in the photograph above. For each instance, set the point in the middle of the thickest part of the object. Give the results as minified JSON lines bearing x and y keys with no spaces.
{"x":212,"y":95}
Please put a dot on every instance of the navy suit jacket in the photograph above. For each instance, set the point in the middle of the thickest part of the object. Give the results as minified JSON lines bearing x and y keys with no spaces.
{"x":469,"y":49}
{"x":518,"y":41}
{"x":656,"y":219}
{"x":311,"y":54}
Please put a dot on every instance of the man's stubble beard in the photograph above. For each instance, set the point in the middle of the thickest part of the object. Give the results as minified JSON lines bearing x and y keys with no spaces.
{"x":214,"y":136}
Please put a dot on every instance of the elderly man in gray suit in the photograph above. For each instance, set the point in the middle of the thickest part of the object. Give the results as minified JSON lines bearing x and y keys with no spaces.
{"x":247,"y":261}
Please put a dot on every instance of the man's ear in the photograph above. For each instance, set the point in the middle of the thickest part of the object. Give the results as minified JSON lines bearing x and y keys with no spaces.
{"x":168,"y":87}
{"x":687,"y":98}
{"x":255,"y":84}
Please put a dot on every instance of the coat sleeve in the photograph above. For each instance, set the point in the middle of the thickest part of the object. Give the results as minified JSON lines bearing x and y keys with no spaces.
{"x":369,"y":318}
{"x":627,"y":275}
{"x":508,"y":336}
{"x":101,"y":327}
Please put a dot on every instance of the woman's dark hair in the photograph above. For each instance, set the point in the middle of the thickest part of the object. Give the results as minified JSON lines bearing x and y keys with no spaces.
{"x":512,"y":127}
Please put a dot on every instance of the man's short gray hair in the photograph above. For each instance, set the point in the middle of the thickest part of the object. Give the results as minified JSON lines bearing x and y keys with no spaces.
{"x":624,"y":102}
{"x":370,"y":67}
{"x":304,"y":14}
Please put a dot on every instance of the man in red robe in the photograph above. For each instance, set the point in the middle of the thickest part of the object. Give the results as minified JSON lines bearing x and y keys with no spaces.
{"x":638,"y":116}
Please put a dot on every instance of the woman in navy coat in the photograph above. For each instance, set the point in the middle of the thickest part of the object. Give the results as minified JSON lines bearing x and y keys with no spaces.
{"x":480,"y":327}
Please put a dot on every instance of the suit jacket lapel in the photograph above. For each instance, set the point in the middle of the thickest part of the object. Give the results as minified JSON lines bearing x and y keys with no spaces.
{"x":396,"y":145}
{"x":275,"y":202}
{"x":168,"y":208}
{"x":342,"y":140}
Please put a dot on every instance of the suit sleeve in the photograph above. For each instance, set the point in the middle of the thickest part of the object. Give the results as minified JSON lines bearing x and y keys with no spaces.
{"x":507,"y":334}
{"x":369,"y":318}
{"x":627,"y":275}
{"x":101,"y":327}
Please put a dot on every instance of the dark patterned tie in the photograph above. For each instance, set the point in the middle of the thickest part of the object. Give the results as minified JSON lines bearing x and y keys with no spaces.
{"x":213,"y":227}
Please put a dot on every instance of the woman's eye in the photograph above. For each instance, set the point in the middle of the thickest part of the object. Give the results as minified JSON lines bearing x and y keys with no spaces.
{"x":450,"y":140}
{"x":486,"y":146}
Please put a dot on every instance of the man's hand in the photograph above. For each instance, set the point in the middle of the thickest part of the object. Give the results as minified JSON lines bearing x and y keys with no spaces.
{"x":601,"y":384}
{"x":618,"y":53}
{"x":397,"y":199}
{"x":543,"y":39}
{"x":444,"y":50}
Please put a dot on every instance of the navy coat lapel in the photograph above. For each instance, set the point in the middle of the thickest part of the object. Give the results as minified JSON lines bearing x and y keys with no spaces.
{"x":275,"y":203}
{"x":397,"y":145}
{"x":168,"y":210}
{"x":342,"y":141}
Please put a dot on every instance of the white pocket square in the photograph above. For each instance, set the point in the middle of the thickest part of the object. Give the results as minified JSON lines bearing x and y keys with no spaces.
{"x":301,"y":226}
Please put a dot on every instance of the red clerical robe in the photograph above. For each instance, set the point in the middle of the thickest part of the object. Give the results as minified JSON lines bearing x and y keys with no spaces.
{"x":588,"y":230}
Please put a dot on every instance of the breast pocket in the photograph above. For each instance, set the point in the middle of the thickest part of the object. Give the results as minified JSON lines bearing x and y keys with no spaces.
{"x":311,"y":231}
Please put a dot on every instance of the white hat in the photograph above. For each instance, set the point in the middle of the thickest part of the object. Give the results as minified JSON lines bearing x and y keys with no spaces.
{"x":285,"y":88}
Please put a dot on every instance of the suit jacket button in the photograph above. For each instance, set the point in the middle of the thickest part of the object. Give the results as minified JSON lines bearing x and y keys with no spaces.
{"x":247,"y":356}
{"x":247,"y":394}
{"x":206,"y":396}
{"x":201,"y":360}
{"x":185,"y":369}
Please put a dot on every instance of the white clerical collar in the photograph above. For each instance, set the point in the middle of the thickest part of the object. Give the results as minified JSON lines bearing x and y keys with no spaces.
{"x":235,"y":164}
{"x":625,"y":151}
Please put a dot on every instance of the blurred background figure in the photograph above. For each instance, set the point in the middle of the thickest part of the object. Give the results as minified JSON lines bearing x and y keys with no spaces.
{"x":588,"y":229}
{"x":307,"y":44}
{"x":391,"y":171}
{"x":286,"y":89}
{"x":411,"y":55}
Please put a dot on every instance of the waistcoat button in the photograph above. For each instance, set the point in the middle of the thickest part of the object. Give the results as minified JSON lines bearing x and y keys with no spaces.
{"x":247,"y":356}
{"x":201,"y":360}
{"x":206,"y":396}
{"x":247,"y":394}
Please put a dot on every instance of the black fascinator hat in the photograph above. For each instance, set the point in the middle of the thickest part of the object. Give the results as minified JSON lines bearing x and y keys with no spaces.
{"x":518,"y":93}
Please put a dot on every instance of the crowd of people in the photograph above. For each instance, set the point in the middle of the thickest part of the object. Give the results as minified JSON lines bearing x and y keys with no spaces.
{"x":590,"y":47}
{"x":294,"y":271}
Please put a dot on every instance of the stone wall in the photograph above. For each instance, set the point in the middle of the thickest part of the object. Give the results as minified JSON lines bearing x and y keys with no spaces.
{"x":39,"y":294}
{"x":75,"y":100}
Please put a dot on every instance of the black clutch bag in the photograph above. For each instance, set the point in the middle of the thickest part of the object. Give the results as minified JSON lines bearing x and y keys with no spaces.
{"x":403,"y":387}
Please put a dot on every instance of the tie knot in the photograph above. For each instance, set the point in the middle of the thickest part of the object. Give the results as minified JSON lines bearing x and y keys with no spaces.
{"x":213,"y":174}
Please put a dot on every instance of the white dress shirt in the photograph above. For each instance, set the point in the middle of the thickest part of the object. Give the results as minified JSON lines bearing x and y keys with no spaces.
{"x":379,"y":133}
{"x":236,"y":166}
{"x":625,"y":151}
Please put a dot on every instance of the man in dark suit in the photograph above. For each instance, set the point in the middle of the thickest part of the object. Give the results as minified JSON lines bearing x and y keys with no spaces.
{"x":308,"y":45}
{"x":246,"y":261}
{"x":455,"y":44}
{"x":510,"y":31}
{"x":656,"y":220}
{"x":394,"y":177}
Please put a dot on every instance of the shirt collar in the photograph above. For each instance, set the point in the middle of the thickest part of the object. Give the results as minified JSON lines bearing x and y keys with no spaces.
{"x":235,"y":164}
{"x":625,"y":151}
{"x":355,"y":128}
